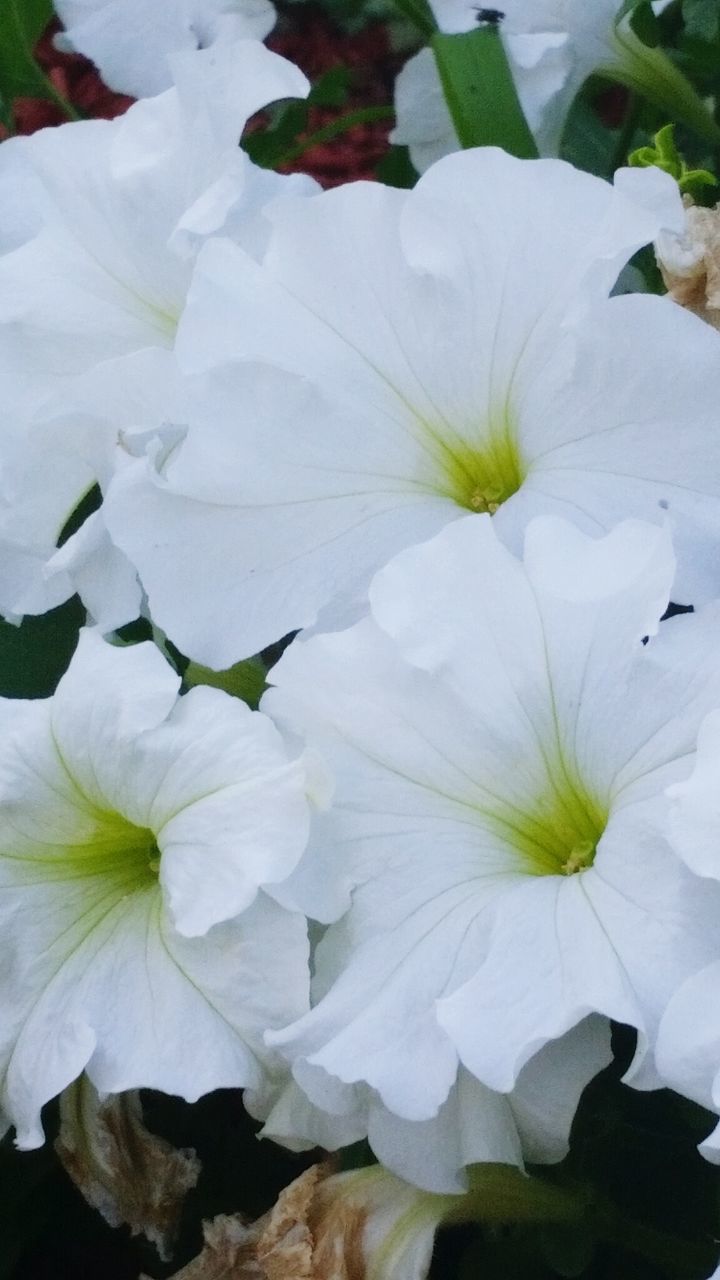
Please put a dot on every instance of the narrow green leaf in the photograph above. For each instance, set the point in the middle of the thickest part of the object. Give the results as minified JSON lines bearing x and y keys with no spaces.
{"x":480,"y":91}
{"x":22,"y":22}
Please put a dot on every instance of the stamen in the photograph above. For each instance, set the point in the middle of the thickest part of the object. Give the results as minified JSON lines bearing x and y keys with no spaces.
{"x":581,"y":856}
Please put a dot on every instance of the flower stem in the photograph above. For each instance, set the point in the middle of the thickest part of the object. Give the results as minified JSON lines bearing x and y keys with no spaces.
{"x":651,"y":73}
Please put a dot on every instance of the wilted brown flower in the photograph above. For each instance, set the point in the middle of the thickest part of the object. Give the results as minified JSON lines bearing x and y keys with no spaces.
{"x":690,"y":264}
{"x":128,"y":1174}
{"x":362,"y":1225}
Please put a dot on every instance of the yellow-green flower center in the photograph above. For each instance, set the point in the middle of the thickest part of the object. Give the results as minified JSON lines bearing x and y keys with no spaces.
{"x":558,"y":832}
{"x":481,"y":476}
{"x":115,"y":849}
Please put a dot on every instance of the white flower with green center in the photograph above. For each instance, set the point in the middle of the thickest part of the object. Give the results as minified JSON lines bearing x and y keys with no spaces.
{"x":554,"y":46}
{"x":420,"y":355}
{"x":131,"y":42}
{"x":138,"y":834}
{"x":496,"y":858}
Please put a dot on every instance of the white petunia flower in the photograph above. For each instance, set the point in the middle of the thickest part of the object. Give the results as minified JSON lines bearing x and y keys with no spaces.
{"x":132,"y":42}
{"x":118,"y":209}
{"x":496,"y":856}
{"x":474,"y":1125}
{"x":115,"y":214}
{"x":553,"y":47}
{"x":689,"y":1040}
{"x":423,"y":354}
{"x":137,"y":831}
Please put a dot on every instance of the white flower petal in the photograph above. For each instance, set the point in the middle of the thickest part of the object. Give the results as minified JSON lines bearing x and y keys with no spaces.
{"x":473,"y":1126}
{"x":423,"y":120}
{"x":103,"y":577}
{"x":98,"y":786}
{"x":99,"y":279}
{"x":446,"y":365}
{"x":133,"y":46}
{"x":497,"y":838}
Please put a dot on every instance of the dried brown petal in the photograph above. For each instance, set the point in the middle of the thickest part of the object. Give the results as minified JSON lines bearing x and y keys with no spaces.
{"x":128,"y":1174}
{"x":365,"y":1225}
{"x":285,"y":1247}
{"x":690,"y":264}
{"x":230,"y":1252}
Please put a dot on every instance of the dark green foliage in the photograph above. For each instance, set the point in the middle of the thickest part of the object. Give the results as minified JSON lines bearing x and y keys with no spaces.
{"x":34,"y":655}
{"x":702,"y":19}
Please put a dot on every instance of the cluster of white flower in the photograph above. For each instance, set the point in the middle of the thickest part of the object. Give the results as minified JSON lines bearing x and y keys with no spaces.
{"x":415,"y":427}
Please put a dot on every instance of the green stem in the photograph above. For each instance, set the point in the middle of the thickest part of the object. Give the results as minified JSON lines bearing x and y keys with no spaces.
{"x":364,"y":115}
{"x":651,"y":73}
{"x":502,"y":1195}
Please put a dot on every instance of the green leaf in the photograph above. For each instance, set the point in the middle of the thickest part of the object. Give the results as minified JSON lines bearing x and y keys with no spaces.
{"x":332,"y":88}
{"x":22,"y":22}
{"x":287,"y":135}
{"x":480,"y":91}
{"x":628,"y":6}
{"x":663,"y":154}
{"x":642,"y":21}
{"x":245,"y":680}
{"x":267,"y":146}
{"x":702,"y":19}
{"x":588,"y":144}
{"x":396,"y":169}
{"x":645,"y":25}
